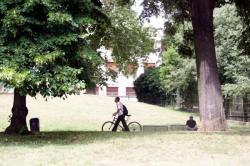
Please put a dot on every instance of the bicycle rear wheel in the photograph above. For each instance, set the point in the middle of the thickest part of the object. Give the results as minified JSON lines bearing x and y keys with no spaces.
{"x":134,"y":127}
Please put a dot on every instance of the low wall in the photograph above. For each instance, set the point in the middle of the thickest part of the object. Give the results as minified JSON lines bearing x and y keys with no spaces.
{"x":162,"y":128}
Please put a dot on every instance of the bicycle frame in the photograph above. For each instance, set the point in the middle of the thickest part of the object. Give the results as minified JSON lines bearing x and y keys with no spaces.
{"x":116,"y":117}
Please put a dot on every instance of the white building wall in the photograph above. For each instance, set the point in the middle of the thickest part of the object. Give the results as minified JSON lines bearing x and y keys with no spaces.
{"x":102,"y":90}
{"x":123,"y":81}
{"x":140,"y":69}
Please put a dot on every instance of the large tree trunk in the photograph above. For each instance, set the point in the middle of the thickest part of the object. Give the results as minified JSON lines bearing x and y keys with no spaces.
{"x":210,"y":98}
{"x":19,"y":112}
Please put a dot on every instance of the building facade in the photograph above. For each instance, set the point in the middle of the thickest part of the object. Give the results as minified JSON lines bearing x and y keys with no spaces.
{"x":123,"y":86}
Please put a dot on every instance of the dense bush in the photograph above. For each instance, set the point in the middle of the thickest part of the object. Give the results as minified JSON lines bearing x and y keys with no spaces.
{"x":148,"y":88}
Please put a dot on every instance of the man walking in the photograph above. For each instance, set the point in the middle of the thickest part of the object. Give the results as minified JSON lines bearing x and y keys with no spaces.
{"x":120,"y":114}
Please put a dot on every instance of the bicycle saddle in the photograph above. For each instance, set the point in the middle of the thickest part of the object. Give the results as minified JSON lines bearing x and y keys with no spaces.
{"x":128,"y":115}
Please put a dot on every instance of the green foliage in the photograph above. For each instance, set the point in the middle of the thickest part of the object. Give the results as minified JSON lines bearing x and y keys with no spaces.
{"x":49,"y":47}
{"x":239,"y":89}
{"x":41,"y":45}
{"x":148,"y":88}
{"x":181,"y":37}
{"x":243,"y":9}
{"x":232,"y":61}
{"x":178,"y":74}
{"x":128,"y":39}
{"x":232,"y":38}
{"x":179,"y":11}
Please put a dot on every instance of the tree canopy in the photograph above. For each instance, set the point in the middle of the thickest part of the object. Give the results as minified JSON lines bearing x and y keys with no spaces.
{"x":127,"y":37}
{"x":49,"y":47}
{"x":232,"y":60}
{"x":46,"y":45}
{"x":179,"y":11}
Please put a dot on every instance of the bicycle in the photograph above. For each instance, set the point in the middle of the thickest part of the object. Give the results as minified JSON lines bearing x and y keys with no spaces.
{"x":133,"y":126}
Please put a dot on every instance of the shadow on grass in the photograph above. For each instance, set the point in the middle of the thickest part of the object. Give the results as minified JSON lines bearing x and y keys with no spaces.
{"x":62,"y":138}
{"x":88,"y":137}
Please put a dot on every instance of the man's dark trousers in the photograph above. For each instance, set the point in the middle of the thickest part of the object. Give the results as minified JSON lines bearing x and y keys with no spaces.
{"x":122,"y":119}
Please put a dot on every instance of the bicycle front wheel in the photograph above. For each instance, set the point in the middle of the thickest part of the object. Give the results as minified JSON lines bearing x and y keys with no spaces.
{"x":107,"y":126}
{"x":134,"y":127}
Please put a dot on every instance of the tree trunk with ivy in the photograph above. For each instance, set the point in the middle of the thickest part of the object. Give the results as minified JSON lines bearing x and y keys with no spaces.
{"x":18,"y":123}
{"x":210,"y":98}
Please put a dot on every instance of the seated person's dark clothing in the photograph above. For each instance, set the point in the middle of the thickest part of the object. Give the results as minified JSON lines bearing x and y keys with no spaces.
{"x":191,"y":123}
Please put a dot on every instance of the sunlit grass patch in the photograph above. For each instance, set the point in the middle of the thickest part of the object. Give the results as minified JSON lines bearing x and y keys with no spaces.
{"x":87,"y":112}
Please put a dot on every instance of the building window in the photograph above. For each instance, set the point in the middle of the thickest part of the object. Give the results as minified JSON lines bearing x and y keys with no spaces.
{"x":112,"y":91}
{"x":130,"y":92}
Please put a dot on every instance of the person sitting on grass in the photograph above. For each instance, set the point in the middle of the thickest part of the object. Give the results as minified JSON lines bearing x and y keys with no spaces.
{"x":121,"y":116}
{"x":191,"y":124}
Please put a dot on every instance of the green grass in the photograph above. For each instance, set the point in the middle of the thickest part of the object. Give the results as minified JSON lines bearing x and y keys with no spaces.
{"x":87,"y":112}
{"x":71,"y":136}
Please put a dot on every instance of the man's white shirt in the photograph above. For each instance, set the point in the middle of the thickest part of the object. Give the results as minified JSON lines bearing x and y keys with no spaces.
{"x":119,"y":106}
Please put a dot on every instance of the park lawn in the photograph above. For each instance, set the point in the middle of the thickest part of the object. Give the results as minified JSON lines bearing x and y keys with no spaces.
{"x":71,"y":136}
{"x":146,"y":149}
{"x":87,"y":112}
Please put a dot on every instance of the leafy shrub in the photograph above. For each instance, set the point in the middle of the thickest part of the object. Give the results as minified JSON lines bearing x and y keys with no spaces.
{"x":148,"y":88}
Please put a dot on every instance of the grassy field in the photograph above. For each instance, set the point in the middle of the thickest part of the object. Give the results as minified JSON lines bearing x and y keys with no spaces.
{"x":71,"y":136}
{"x":86,"y":112}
